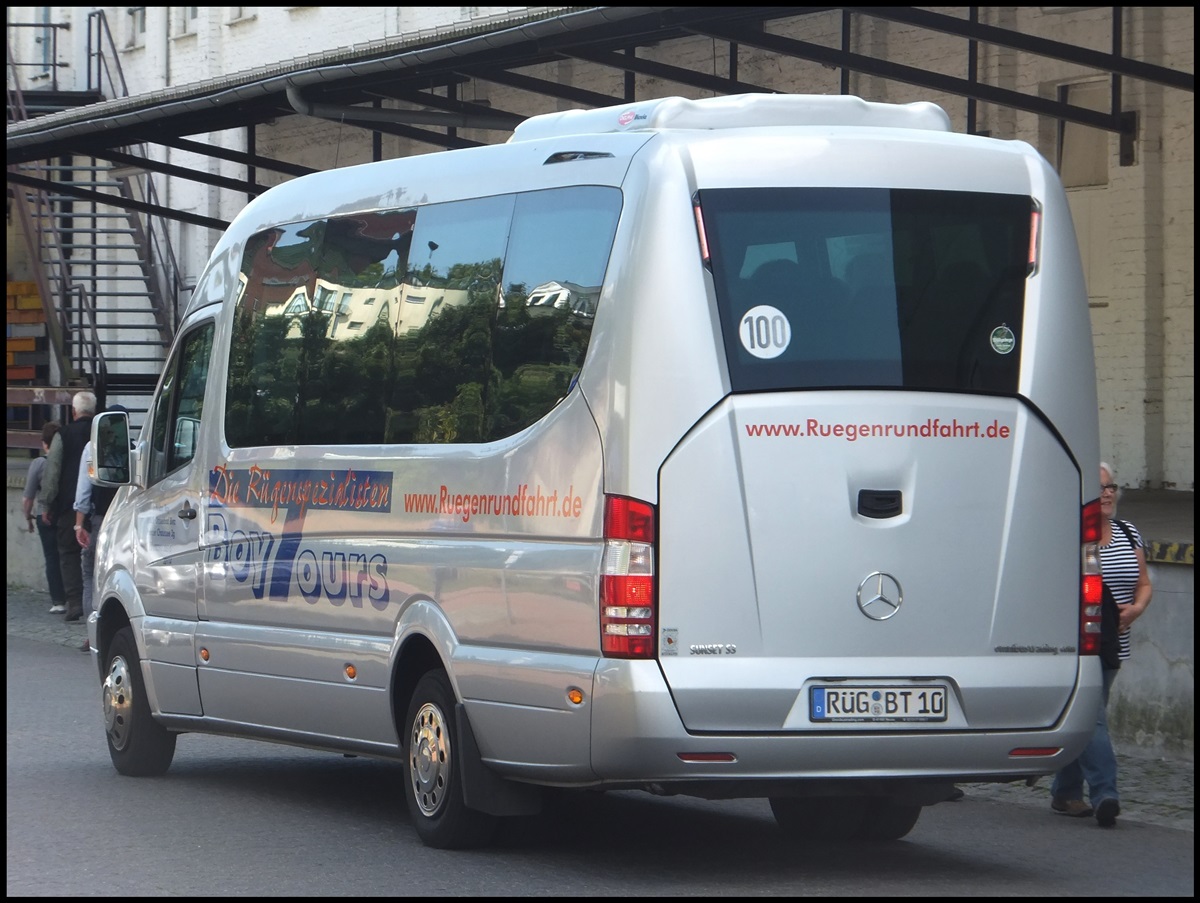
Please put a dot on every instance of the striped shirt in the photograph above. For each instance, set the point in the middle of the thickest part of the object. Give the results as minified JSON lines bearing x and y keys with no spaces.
{"x":1119,"y":565}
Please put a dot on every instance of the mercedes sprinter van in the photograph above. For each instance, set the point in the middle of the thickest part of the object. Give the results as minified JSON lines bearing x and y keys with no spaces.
{"x":739,"y":447}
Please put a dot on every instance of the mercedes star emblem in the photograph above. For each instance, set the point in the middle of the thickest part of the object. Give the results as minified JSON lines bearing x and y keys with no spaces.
{"x":879,"y":596}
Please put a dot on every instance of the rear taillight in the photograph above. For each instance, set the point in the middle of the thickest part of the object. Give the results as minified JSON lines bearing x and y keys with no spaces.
{"x":628,"y":589}
{"x":701,"y":233}
{"x":1089,"y":589}
{"x":1035,"y":239}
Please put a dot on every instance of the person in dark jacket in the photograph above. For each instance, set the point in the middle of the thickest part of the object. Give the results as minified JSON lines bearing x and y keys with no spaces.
{"x":57,"y":496}
{"x":91,"y":504}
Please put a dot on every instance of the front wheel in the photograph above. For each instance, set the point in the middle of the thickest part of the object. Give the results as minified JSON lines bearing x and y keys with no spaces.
{"x":433,"y":788}
{"x":138,"y":745}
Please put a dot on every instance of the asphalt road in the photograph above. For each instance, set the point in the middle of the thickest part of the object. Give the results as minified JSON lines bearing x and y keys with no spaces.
{"x":240,"y":818}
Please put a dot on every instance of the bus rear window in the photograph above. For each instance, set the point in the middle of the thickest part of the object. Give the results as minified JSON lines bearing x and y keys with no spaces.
{"x":846,"y":287}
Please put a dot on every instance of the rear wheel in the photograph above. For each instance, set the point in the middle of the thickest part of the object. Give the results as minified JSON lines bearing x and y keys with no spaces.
{"x":832,"y":818}
{"x":433,"y":788}
{"x":886,"y":820}
{"x":138,"y":745}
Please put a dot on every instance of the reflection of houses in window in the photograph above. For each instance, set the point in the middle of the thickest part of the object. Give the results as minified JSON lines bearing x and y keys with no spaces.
{"x":421,"y":302}
{"x":342,"y":305}
{"x":298,"y":305}
{"x":550,"y":296}
{"x":352,"y":311}
{"x":364,"y":306}
{"x":323,"y":297}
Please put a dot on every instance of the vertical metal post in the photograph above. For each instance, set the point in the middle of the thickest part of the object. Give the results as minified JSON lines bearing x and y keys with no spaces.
{"x":972,"y":71}
{"x":251,"y":169}
{"x":1127,"y":154}
{"x":377,"y":137}
{"x":846,"y":25}
{"x":1116,"y":52}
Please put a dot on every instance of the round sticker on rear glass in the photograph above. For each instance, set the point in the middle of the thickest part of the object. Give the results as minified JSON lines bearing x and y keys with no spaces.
{"x":1003,"y":340}
{"x":765,"y":331}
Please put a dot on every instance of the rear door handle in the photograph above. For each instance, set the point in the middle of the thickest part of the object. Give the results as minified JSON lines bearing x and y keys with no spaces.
{"x":187,"y":512}
{"x":880,"y":503}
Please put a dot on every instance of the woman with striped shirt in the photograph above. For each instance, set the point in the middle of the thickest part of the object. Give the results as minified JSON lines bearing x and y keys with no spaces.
{"x":1123,"y":566}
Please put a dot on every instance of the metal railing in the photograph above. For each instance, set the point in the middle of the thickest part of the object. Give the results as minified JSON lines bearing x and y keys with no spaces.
{"x":49,"y":65}
{"x":66,"y":264}
{"x":162,"y":269}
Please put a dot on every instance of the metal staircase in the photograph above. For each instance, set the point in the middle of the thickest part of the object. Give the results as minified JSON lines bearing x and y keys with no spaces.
{"x":109,"y":284}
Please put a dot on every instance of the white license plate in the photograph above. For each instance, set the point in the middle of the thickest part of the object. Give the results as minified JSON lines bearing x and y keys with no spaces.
{"x":874,"y":703}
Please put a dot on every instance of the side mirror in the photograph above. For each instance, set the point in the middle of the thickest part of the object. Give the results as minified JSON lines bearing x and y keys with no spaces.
{"x":186,"y":431}
{"x":111,"y":460}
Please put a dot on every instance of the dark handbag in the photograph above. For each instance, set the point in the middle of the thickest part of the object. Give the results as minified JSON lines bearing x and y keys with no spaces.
{"x":1110,"y":630}
{"x":1110,"y":617}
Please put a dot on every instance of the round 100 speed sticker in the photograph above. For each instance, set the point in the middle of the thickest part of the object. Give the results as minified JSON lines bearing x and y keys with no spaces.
{"x":765,"y":331}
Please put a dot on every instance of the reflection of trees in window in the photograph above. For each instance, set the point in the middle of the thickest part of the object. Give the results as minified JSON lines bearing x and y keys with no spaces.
{"x":179,"y":404}
{"x":537,"y":357}
{"x":471,"y":364}
{"x":162,"y":424}
{"x":194,"y":368}
{"x":193,"y":376}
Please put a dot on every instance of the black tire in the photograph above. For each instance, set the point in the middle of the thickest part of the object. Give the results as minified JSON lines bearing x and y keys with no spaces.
{"x":886,"y":820}
{"x":138,"y":745}
{"x":433,"y":779}
{"x":829,"y":818}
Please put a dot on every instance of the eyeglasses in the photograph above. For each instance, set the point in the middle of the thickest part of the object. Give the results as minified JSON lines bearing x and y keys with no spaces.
{"x":1109,"y":487}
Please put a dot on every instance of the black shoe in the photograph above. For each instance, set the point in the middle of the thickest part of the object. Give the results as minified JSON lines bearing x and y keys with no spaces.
{"x":73,"y":616}
{"x":1107,"y":812}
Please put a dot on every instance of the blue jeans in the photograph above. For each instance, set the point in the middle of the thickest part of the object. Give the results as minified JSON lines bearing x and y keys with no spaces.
{"x":49,"y":537}
{"x":1097,"y":764}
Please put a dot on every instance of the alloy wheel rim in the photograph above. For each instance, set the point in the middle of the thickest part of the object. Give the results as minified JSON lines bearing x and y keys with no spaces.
{"x":429,"y":759}
{"x":118,"y":702}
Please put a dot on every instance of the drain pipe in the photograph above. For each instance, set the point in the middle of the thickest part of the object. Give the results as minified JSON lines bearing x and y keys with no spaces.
{"x":306,"y":107}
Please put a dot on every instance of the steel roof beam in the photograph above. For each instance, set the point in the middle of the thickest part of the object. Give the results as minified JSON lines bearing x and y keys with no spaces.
{"x":475,"y":112}
{"x":179,"y":172}
{"x":1015,"y":40}
{"x":702,"y":80}
{"x":112,"y":200}
{"x":233,"y":156}
{"x":911,"y":75}
{"x":544,"y":87}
